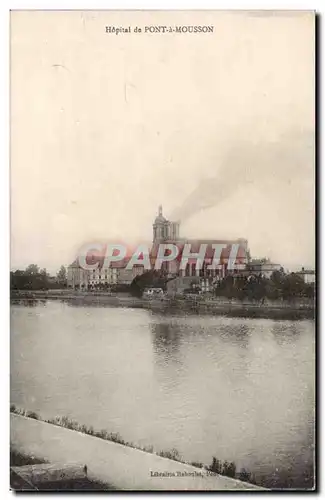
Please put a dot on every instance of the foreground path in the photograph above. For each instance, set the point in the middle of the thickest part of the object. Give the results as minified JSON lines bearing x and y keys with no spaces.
{"x":116,"y":464}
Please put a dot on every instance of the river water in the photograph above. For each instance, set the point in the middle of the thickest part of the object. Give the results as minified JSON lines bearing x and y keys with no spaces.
{"x":238,"y":389}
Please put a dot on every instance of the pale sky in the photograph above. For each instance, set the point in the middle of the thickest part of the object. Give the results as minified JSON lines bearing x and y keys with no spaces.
{"x":106,"y":127}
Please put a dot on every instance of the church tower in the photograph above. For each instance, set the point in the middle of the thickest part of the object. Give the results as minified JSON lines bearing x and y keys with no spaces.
{"x":160,"y":227}
{"x":163,"y":229}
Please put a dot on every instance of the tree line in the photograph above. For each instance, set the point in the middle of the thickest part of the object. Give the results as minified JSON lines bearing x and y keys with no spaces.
{"x":34,"y":278}
{"x":280,"y":286}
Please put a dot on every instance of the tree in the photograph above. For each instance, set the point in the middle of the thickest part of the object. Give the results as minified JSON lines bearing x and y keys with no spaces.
{"x":293,"y":286}
{"x":259,"y":290}
{"x":240,"y":287}
{"x":31,"y":279}
{"x":32,"y":270}
{"x":244,"y":475}
{"x":309,"y":290}
{"x":147,"y":280}
{"x":41,"y":280}
{"x":62,"y":276}
{"x":18,"y":280}
{"x":226,"y":287}
{"x":229,"y":469}
{"x":215,"y":466}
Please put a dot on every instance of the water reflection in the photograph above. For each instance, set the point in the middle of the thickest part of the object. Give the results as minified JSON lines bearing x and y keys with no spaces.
{"x":237,"y":334}
{"x":166,"y":338}
{"x":237,"y":389}
{"x":286,"y":331}
{"x":27,"y":302}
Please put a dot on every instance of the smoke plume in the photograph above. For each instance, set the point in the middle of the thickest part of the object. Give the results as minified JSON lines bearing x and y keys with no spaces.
{"x":290,"y":157}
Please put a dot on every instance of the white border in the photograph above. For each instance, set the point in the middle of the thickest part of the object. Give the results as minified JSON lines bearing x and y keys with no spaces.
{"x":4,"y":286}
{"x":5,"y":6}
{"x":163,"y":4}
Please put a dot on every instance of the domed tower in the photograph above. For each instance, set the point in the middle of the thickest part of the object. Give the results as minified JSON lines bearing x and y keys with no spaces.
{"x":160,"y":227}
{"x":164,"y":229}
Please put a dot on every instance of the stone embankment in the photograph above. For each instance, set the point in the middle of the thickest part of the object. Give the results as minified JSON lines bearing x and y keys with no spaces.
{"x":121,"y":466}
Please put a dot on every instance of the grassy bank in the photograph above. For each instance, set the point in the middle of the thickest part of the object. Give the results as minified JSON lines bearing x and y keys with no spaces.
{"x":224,"y":468}
{"x":18,"y":459}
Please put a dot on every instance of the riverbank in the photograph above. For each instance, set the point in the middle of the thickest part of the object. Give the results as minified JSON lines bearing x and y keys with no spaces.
{"x":26,"y":475}
{"x":217,"y":466}
{"x":113,"y":463}
{"x":199,"y":305}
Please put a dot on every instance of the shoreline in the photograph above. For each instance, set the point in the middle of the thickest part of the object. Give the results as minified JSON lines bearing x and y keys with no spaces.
{"x":116,"y":462}
{"x":216,"y":306}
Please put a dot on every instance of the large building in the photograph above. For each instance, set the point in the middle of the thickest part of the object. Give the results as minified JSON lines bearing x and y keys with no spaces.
{"x":308,"y":275}
{"x":164,"y":231}
{"x":263,"y":267}
{"x":102,"y":277}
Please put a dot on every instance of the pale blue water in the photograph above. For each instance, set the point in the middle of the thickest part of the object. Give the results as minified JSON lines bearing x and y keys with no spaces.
{"x":238,"y":389}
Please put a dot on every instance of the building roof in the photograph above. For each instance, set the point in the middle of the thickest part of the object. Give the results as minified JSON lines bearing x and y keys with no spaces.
{"x":121,"y":264}
{"x":265,"y":265}
{"x":209,"y":254}
{"x":74,"y":263}
{"x":260,"y":261}
{"x":160,"y":218}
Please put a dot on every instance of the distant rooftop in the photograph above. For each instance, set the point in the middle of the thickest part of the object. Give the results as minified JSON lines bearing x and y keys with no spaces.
{"x":306,"y":271}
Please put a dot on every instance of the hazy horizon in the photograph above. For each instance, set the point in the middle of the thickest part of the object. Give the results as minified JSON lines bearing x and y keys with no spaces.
{"x":219,"y":128}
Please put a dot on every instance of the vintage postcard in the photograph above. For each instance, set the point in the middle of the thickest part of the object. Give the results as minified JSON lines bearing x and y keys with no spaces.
{"x":162,"y":273}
